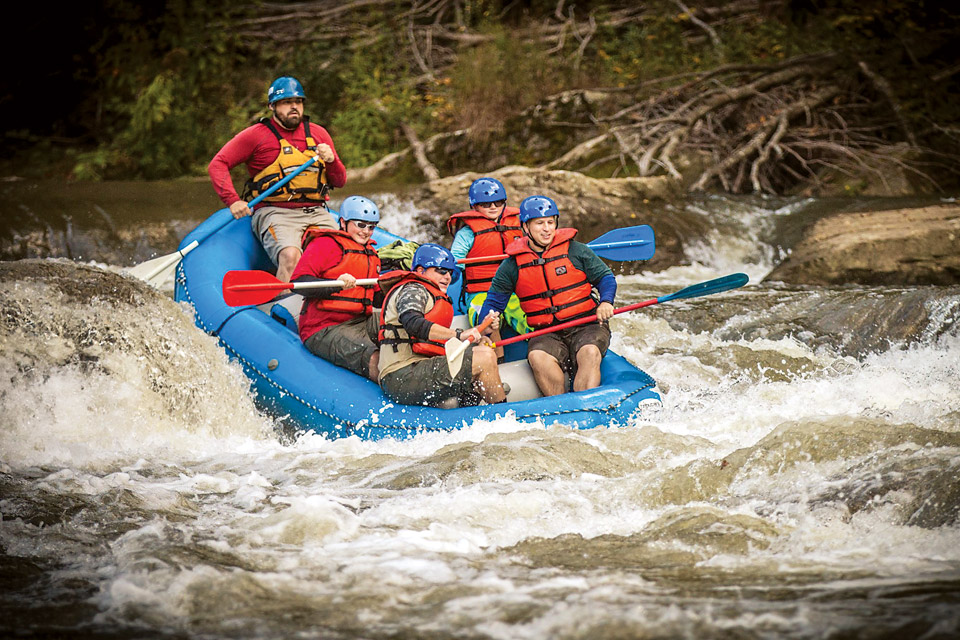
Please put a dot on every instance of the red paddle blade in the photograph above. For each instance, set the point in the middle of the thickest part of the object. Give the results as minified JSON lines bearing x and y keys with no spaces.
{"x":242,"y":288}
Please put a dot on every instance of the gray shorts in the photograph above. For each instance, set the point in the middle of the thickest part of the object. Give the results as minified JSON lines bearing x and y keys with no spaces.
{"x":279,"y":228}
{"x":346,"y":345}
{"x":564,"y":344}
{"x":428,"y":382}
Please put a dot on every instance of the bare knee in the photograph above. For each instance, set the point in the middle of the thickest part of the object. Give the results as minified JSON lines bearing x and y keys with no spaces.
{"x":540,"y":359}
{"x":288,"y":258}
{"x":589,"y":356}
{"x":484,"y":357}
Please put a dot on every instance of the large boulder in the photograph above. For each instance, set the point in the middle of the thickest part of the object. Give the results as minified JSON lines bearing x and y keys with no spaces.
{"x":591,"y":205}
{"x":899,"y":247}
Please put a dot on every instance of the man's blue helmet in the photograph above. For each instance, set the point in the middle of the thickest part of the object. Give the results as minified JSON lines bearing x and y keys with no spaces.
{"x":486,"y":190}
{"x":359,"y":208}
{"x":283,"y":88}
{"x":433,"y":255}
{"x":537,"y":207}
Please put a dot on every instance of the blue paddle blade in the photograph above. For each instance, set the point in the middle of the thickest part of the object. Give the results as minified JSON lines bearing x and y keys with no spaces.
{"x":725,"y":283}
{"x":629,"y":243}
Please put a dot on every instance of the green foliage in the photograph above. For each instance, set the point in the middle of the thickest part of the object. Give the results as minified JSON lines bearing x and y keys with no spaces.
{"x":169,"y":83}
{"x":765,"y":41}
{"x":667,"y":43}
{"x":368,"y":101}
{"x":647,"y":50}
{"x":165,"y":90}
{"x":494,"y":81}
{"x":92,"y":165}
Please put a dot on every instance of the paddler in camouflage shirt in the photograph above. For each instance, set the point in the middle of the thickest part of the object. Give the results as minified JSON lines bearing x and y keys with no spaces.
{"x":415,"y":324}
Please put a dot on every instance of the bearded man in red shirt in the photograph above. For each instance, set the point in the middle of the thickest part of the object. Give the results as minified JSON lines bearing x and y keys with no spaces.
{"x":271,"y":149}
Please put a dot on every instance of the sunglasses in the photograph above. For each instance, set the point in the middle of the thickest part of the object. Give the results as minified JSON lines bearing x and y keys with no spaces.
{"x":497,"y":204}
{"x":365,"y":225}
{"x":443,"y":271}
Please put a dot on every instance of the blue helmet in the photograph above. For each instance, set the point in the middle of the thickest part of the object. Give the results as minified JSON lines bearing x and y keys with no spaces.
{"x":433,"y":255}
{"x":486,"y":190}
{"x":359,"y":208}
{"x":283,"y":88}
{"x":537,"y":207}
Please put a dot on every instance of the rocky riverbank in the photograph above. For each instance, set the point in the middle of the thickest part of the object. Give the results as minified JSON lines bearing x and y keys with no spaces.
{"x":917,"y":246}
{"x":909,"y":246}
{"x":591,"y":205}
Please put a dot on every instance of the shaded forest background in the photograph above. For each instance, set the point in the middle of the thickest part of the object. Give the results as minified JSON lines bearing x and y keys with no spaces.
{"x":769,"y":96}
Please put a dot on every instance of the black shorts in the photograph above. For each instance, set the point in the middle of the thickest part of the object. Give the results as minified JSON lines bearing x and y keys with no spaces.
{"x":564,"y":344}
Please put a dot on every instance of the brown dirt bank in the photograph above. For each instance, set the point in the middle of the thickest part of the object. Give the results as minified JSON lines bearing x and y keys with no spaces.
{"x":919,"y":246}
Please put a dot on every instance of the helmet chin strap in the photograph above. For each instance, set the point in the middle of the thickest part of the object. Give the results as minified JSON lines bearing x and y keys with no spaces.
{"x":541,"y":247}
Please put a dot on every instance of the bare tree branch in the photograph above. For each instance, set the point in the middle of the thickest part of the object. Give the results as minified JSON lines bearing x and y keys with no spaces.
{"x":714,"y":38}
{"x":885,"y":88}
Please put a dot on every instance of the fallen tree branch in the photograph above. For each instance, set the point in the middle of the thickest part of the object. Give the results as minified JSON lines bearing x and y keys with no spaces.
{"x":416,"y":51}
{"x":426,"y":167}
{"x":714,"y":38}
{"x":575,"y":154}
{"x":393,"y":160}
{"x":881,"y":83}
{"x":755,"y":144}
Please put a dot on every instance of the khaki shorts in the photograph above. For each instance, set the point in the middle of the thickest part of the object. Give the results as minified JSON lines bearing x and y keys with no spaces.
{"x":279,"y":228}
{"x":346,"y":345}
{"x":564,"y":344}
{"x":428,"y":382}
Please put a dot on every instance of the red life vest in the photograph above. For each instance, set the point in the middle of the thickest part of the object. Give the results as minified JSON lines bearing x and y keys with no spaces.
{"x":490,"y":238}
{"x":441,"y":313}
{"x":360,"y":261}
{"x":550,"y":288}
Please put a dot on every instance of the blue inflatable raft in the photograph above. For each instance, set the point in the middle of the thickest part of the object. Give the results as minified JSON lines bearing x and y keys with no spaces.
{"x":311,"y":393}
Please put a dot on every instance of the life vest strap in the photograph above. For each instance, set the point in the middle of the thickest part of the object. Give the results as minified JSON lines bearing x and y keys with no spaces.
{"x":549,"y":293}
{"x":497,"y":228}
{"x":553,"y":310}
{"x":394,"y":341}
{"x":540,"y":261}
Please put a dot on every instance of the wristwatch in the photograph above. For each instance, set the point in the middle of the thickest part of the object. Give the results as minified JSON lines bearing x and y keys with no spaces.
{"x":459,"y":332}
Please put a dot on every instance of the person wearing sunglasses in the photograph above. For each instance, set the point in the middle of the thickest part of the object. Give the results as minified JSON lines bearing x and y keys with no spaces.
{"x":414,"y":325}
{"x":485,"y":230}
{"x":339,"y":324}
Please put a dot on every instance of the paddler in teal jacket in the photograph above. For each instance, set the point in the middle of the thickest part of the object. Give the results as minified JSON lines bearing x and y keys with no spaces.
{"x":555,"y":278}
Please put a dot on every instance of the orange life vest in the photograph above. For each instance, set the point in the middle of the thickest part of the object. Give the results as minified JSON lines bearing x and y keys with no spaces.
{"x":310,"y":185}
{"x":441,"y":313}
{"x":490,"y":238}
{"x":549,"y":287}
{"x":360,"y":261}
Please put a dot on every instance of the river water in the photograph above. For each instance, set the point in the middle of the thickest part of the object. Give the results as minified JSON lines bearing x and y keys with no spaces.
{"x":801,"y":479}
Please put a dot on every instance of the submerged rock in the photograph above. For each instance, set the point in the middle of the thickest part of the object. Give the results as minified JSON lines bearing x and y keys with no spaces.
{"x":918,"y":246}
{"x":81,"y":345}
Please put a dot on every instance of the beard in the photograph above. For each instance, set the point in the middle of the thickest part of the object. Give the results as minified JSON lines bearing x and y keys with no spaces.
{"x":290,"y":121}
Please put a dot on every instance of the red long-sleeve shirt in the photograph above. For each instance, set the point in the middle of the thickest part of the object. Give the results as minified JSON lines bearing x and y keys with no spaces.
{"x":321,"y":254}
{"x":258,"y":148}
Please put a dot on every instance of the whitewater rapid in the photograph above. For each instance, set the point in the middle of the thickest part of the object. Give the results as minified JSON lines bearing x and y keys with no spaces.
{"x":800,"y":479}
